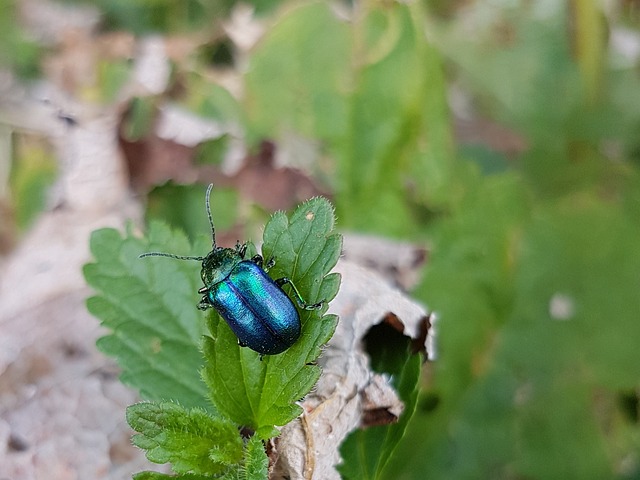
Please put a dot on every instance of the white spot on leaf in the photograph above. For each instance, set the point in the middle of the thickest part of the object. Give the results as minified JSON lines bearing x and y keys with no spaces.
{"x":561,"y":307}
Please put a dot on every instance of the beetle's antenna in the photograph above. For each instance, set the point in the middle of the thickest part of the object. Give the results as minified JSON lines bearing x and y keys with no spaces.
{"x":170,"y":255}
{"x":213,"y":229}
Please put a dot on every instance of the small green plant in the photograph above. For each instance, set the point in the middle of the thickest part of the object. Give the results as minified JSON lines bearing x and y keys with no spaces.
{"x":201,"y":389}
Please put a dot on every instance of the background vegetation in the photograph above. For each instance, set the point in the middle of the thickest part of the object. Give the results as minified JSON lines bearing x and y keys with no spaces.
{"x":505,"y":136}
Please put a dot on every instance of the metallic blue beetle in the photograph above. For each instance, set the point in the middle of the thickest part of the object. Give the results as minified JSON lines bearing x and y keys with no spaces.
{"x":256,"y":308}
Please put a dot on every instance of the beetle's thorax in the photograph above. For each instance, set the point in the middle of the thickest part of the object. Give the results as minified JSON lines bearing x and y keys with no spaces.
{"x":217,"y":265}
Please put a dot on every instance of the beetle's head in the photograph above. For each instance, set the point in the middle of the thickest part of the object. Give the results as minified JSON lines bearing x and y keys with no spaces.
{"x":217,"y":265}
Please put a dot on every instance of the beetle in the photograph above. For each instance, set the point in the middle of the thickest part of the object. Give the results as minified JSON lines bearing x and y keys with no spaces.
{"x":255,"y":306}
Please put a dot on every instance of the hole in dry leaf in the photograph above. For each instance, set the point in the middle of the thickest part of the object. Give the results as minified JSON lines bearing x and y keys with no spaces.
{"x":377,"y":417}
{"x":387,"y":346}
{"x":418,"y":344}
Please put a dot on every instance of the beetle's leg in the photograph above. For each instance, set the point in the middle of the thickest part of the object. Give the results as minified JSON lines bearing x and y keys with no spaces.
{"x":270,"y":263}
{"x":304,"y":305}
{"x":258,"y":260}
{"x":204,"y":301}
{"x":204,"y":304}
{"x":241,"y":248}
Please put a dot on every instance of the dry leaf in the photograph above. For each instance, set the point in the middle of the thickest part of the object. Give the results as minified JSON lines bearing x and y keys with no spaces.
{"x":308,"y":448}
{"x":61,"y":407}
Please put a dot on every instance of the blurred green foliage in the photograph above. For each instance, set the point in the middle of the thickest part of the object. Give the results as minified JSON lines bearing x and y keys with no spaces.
{"x":156,"y":16}
{"x":112,"y":76}
{"x":182,"y":207}
{"x":32,"y":172}
{"x":168,"y":16}
{"x":17,"y":52}
{"x":373,"y":92}
{"x":534,"y":267}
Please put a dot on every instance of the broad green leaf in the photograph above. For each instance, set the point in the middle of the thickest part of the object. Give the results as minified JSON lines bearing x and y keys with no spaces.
{"x":366,"y":452}
{"x":397,"y":128}
{"x":149,"y":306}
{"x":298,"y":74}
{"x":261,"y":393}
{"x":193,"y":441}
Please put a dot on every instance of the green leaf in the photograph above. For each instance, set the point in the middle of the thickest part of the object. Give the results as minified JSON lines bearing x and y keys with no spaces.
{"x":112,"y":76}
{"x":256,"y":463}
{"x":211,"y":100}
{"x":139,"y":119}
{"x":366,"y":452}
{"x":193,"y":441}
{"x":298,"y":70}
{"x":181,"y":207}
{"x":142,"y":17}
{"x":147,"y":475}
{"x":398,"y":132}
{"x":18,"y":51}
{"x":32,"y":173}
{"x":150,"y":309}
{"x":260,"y":393}
{"x":196,"y":443}
{"x":373,"y":92}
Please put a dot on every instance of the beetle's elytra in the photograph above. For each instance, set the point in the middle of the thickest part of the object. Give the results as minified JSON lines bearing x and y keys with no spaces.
{"x":254,"y":306}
